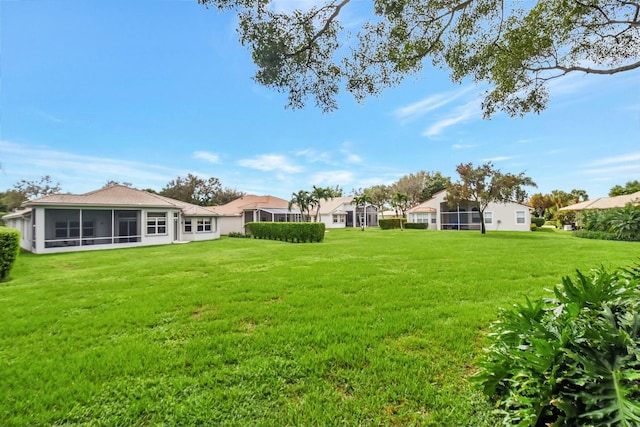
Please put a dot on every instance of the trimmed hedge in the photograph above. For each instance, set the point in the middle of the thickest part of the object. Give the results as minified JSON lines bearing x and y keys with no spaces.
{"x":294,"y":232}
{"x":390,"y":223}
{"x":417,"y":225}
{"x":9,"y":249}
{"x":539,"y":222}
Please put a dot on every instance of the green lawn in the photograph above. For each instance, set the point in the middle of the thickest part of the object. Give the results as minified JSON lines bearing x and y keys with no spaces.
{"x":366,"y":328}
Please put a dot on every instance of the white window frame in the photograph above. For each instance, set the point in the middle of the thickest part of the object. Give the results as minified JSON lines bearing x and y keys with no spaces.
{"x":488,"y":217}
{"x":188,"y":226}
{"x":524,"y":217}
{"x":157,"y":224}
{"x":204,"y":225}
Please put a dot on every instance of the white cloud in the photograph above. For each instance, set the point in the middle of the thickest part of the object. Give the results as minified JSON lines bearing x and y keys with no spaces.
{"x":625,"y":158}
{"x":339,"y":177}
{"x":615,"y":170}
{"x":349,"y":156}
{"x":314,"y":156}
{"x":461,"y":114}
{"x":353,"y":158}
{"x":497,"y":159}
{"x":270,"y":162}
{"x":209,"y":157}
{"x":431,"y":103}
{"x":84,"y":173}
{"x":50,"y":117}
{"x":462,"y":146}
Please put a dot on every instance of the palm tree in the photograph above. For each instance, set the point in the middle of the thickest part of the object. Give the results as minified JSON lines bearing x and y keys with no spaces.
{"x":579,"y":194}
{"x":303,"y":200}
{"x":400,"y":201}
{"x":362,"y":200}
{"x":317,"y":194}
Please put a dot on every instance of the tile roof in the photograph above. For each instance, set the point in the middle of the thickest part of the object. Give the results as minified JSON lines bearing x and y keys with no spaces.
{"x":119,"y":196}
{"x":237,"y":206}
{"x":421,"y":208}
{"x":330,"y":205}
{"x":605,"y":202}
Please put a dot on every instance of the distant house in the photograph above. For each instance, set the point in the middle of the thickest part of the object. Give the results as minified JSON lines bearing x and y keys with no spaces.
{"x":605,"y":203}
{"x":466,"y":215}
{"x":250,"y":208}
{"x":111,"y":217}
{"x":341,"y":212}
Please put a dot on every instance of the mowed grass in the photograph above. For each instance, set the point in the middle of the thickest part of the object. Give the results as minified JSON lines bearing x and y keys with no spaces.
{"x":366,"y":328}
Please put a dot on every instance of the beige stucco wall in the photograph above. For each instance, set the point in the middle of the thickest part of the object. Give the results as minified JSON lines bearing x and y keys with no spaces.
{"x":504,"y":214}
{"x":227,"y":224}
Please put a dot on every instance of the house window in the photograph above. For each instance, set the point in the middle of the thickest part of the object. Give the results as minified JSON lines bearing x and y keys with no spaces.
{"x":488,"y":217}
{"x":187,"y":226}
{"x":67,"y":229}
{"x":157,"y":223}
{"x":475,"y":215}
{"x":519,"y":217}
{"x":87,"y":229}
{"x":204,"y":225}
{"x":433,"y":220}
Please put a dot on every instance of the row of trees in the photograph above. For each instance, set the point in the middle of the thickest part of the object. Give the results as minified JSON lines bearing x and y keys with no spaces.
{"x":546,"y":205}
{"x":483,"y":184}
{"x":308,"y":200}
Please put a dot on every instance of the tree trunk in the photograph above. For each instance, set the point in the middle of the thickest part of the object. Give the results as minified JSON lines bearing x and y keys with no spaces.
{"x":483,"y":230}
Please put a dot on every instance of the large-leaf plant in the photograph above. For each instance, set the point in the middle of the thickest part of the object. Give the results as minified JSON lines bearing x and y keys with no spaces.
{"x":573,"y":359}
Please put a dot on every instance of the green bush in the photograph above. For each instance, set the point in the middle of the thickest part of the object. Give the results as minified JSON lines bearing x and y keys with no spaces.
{"x":417,"y":225}
{"x":610,"y":224}
{"x":391,"y":223}
{"x":566,"y":217}
{"x":539,"y":222}
{"x":569,"y":360}
{"x":9,"y":249}
{"x":533,"y":227}
{"x":298,"y":232}
{"x":625,"y":222}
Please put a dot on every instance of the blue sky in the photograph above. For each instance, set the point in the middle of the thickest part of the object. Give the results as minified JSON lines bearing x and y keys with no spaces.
{"x":144,"y":91}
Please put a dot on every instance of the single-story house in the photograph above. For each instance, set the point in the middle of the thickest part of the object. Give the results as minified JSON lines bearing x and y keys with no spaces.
{"x":466,"y":215}
{"x":341,"y":212}
{"x":250,"y":208}
{"x":111,"y":217}
{"x":605,"y":202}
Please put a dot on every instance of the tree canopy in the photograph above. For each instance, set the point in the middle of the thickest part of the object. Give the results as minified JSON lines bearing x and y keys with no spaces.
{"x":26,"y":190}
{"x":199,"y":191}
{"x":514,"y":47}
{"x":420,"y":186}
{"x":629,"y":188}
{"x":485,"y":184}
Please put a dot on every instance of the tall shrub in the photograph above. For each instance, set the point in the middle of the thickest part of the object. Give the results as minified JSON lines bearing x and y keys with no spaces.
{"x":9,"y":249}
{"x":625,"y":223}
{"x":391,"y":223}
{"x":570,"y":360}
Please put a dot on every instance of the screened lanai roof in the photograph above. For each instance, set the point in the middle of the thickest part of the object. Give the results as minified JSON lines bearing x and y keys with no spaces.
{"x":279,"y":210}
